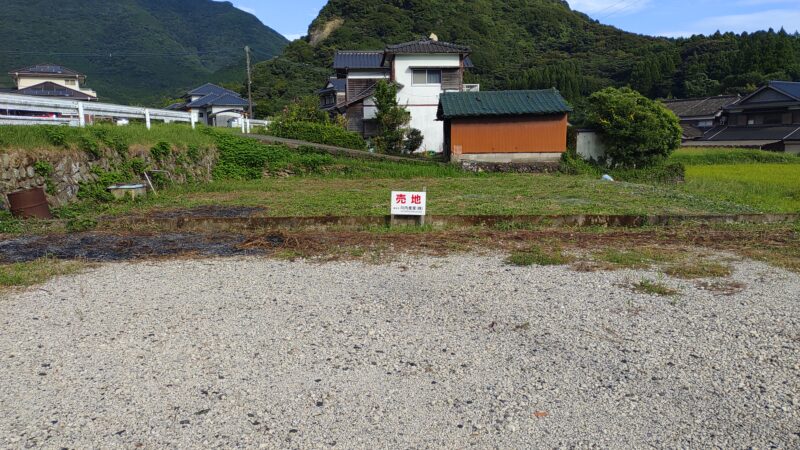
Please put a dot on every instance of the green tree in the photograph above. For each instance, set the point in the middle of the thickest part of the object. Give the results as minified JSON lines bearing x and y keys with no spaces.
{"x":637,"y":132}
{"x":304,"y":109}
{"x":392,"y":119}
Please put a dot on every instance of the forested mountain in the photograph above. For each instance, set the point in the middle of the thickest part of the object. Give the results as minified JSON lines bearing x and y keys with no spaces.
{"x":522,"y":44}
{"x":135,"y":51}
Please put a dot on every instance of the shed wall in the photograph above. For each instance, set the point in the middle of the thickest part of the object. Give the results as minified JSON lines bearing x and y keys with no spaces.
{"x":531,"y":134}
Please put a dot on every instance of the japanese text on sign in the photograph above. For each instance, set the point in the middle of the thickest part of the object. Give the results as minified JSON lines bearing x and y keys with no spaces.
{"x":408,"y":203}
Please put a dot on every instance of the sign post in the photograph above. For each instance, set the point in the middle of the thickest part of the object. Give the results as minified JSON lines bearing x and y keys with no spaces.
{"x":406,"y":204}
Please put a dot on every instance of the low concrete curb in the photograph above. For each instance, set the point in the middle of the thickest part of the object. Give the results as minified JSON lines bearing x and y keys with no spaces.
{"x":576,"y":220}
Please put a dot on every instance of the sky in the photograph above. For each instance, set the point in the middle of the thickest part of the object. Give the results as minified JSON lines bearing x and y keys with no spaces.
{"x":672,"y":18}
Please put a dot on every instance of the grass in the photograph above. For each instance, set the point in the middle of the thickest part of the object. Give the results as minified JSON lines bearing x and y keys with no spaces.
{"x":32,"y":273}
{"x":654,"y":288}
{"x":632,"y":258}
{"x":59,"y":138}
{"x":699,"y":269}
{"x":538,"y":256}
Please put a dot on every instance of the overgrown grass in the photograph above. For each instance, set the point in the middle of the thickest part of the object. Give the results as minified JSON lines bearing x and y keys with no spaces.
{"x":36,"y":272}
{"x":62,"y":137}
{"x":538,"y":256}
{"x":690,"y":156}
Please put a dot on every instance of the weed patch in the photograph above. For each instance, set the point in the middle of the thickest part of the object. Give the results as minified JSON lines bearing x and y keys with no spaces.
{"x":654,"y":288}
{"x":538,"y":256}
{"x":699,"y":269}
{"x":36,"y":272}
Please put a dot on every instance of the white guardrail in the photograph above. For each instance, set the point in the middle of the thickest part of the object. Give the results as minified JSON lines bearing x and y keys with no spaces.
{"x":78,"y":111}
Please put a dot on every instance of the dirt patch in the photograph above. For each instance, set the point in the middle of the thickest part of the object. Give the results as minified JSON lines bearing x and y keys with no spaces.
{"x":101,"y":247}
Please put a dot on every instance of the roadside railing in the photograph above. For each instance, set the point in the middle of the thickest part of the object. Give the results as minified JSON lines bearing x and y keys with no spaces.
{"x":76,"y":112}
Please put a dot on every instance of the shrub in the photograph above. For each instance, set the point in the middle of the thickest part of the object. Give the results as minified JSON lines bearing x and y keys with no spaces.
{"x":161,"y":151}
{"x":318,"y":133}
{"x":90,"y":146}
{"x":637,"y":131}
{"x":392,"y":119}
{"x":413,"y":141}
{"x":304,"y":109}
{"x":56,"y":135}
{"x":245,"y":159}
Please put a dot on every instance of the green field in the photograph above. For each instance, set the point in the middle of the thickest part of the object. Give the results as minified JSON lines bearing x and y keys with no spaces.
{"x":764,"y":187}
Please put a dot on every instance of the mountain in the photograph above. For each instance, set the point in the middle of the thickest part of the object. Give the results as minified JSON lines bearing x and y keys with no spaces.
{"x":525,"y":44}
{"x":135,"y":51}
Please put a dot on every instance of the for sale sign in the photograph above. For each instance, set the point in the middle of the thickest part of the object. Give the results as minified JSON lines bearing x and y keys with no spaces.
{"x":408,"y":203}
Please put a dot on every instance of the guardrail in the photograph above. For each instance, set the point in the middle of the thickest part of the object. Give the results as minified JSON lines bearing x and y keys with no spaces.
{"x":79,"y":110}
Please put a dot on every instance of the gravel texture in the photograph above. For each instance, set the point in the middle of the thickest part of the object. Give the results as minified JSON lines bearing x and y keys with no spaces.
{"x":445,"y":353}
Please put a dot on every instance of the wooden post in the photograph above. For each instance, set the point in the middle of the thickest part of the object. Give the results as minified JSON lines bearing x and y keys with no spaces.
{"x":81,"y":115}
{"x":147,"y":118}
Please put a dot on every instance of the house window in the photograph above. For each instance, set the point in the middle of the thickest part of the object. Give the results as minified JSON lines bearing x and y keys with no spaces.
{"x":427,"y":76}
{"x":70,"y":82}
{"x":773,"y":119}
{"x":705,"y":124}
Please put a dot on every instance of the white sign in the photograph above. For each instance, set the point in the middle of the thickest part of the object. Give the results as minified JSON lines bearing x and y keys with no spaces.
{"x":408,"y":203}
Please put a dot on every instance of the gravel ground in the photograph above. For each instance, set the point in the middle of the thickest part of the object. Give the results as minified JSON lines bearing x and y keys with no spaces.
{"x":455,"y":352}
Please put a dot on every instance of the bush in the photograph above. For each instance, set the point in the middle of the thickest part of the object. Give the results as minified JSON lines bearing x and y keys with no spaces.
{"x":245,"y":159}
{"x":318,"y":133}
{"x":90,"y":146}
{"x":161,"y":151}
{"x":662,"y":172}
{"x":637,"y":131}
{"x":413,"y":141}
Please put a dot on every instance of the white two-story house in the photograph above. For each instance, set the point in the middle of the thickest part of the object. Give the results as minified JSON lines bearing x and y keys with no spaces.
{"x":422,"y":71}
{"x":214,"y":106}
{"x":52,"y":81}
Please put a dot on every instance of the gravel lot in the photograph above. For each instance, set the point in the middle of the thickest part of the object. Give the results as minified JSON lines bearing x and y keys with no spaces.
{"x":455,"y":352}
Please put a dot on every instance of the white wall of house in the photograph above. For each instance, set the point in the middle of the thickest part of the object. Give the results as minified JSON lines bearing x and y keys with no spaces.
{"x":422,"y":100}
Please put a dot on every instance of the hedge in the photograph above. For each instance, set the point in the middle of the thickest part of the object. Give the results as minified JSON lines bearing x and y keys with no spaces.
{"x":318,"y":133}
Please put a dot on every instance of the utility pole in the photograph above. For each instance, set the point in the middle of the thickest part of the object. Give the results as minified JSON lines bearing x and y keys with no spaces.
{"x":249,"y":85}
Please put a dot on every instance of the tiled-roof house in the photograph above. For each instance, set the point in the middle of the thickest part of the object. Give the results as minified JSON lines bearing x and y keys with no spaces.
{"x":698,"y":115}
{"x":213,"y":105}
{"x":769,"y":118}
{"x":422,"y":70}
{"x":53,"y":81}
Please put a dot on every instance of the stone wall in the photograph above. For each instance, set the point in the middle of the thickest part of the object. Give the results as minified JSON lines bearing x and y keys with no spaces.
{"x":73,"y":167}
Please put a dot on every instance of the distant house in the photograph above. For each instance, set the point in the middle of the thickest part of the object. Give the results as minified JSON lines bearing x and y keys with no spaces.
{"x":504,"y":126}
{"x":214,"y":106}
{"x":422,"y":70}
{"x":698,"y":115}
{"x":769,"y":119}
{"x":52,"y":81}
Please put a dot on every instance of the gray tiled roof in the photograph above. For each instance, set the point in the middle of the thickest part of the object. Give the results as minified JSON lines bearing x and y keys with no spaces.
{"x":427,"y":46}
{"x":700,"y":107}
{"x":210,"y":88}
{"x":49,"y":89}
{"x":224,"y":99}
{"x":788,"y":87}
{"x":347,"y":59}
{"x":752,"y":133}
{"x":501,"y":103}
{"x":45,"y":69}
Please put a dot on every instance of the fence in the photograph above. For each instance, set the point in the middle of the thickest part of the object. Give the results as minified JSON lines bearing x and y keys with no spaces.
{"x":76,"y":112}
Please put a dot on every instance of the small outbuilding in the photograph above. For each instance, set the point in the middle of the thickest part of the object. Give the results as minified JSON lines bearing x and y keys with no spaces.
{"x":504,"y":126}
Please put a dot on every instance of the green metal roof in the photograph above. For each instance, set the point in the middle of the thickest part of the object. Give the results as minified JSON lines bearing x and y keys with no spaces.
{"x":501,"y":103}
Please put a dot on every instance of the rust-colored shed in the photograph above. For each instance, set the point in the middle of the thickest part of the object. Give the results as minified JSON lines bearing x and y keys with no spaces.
{"x":504,"y":126}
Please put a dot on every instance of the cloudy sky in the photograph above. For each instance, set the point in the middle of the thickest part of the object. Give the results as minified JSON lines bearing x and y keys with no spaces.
{"x":655,"y":17}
